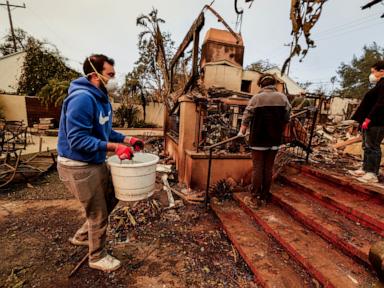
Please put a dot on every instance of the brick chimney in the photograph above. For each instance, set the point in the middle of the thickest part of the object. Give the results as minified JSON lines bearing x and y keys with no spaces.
{"x":221,"y":45}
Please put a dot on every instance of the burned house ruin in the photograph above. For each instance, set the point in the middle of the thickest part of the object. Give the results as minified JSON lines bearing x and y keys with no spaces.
{"x":209,"y":107}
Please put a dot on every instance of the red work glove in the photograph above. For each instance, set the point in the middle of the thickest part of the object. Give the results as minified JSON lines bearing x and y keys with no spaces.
{"x":136,"y":143}
{"x":124,"y":152}
{"x":365,"y":124}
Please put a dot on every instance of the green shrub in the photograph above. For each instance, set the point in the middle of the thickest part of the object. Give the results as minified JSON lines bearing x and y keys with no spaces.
{"x":127,"y":115}
{"x":143,"y":124}
{"x":54,"y":92}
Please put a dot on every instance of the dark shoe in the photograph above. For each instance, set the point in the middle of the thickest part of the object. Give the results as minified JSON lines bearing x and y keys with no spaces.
{"x":268,"y":197}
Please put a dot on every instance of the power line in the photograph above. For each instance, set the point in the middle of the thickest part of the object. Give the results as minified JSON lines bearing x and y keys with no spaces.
{"x":330,"y":31}
{"x":356,"y":22}
{"x":340,"y":33}
{"x":352,"y":28}
{"x":10,"y":20}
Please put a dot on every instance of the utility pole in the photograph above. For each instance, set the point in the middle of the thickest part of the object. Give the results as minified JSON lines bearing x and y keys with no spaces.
{"x":290,"y":53}
{"x":10,"y":20}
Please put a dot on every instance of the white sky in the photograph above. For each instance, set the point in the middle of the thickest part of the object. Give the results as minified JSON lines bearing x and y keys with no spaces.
{"x":81,"y":27}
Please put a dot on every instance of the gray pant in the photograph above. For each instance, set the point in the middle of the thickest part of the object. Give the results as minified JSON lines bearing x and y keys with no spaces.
{"x":372,"y":138}
{"x":92,"y":186}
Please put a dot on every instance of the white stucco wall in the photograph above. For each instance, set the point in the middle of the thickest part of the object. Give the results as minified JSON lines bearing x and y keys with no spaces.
{"x":154,"y":112}
{"x":223,"y":76}
{"x":11,"y":68}
{"x":339,"y":105}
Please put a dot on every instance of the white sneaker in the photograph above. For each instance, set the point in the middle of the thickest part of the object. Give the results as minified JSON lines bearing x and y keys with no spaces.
{"x":357,"y":173}
{"x":369,"y":177}
{"x":106,"y":264}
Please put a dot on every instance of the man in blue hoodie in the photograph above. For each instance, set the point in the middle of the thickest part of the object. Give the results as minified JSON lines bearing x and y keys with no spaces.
{"x":85,"y":137}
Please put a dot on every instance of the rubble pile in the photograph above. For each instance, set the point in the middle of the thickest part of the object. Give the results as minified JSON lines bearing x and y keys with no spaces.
{"x":330,"y":144}
{"x":217,"y":127}
{"x":331,"y":134}
{"x":129,"y":218}
{"x":154,"y":145}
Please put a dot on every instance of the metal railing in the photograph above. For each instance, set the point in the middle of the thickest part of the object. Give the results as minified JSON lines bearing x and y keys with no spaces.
{"x":13,"y":136}
{"x":299,"y":132}
{"x":210,"y":149}
{"x":297,"y":137}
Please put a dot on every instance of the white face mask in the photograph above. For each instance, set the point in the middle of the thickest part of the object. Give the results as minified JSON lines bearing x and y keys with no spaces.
{"x":372,"y":79}
{"x":111,"y":85}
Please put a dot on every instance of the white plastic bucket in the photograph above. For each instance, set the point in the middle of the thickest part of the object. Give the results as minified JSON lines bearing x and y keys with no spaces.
{"x":134,"y":179}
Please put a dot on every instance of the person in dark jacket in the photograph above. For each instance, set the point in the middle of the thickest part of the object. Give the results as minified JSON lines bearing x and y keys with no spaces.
{"x":85,"y":136}
{"x":370,"y":116}
{"x":267,"y":113}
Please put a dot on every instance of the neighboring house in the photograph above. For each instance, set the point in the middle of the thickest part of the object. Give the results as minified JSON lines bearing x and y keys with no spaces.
{"x":339,"y":109}
{"x":222,"y":90}
{"x":293,"y":88}
{"x":232,"y":77}
{"x":222,"y":64}
{"x":20,"y":107}
{"x":11,"y":69}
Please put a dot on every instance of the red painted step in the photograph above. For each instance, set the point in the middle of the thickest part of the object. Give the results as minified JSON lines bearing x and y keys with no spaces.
{"x":258,"y":250}
{"x":344,"y":233}
{"x":365,"y":209}
{"x":328,"y":265}
{"x":348,"y":182}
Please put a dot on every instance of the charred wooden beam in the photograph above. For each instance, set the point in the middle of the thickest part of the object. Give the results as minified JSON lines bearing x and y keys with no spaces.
{"x":189,"y":84}
{"x":195,"y":53}
{"x":196,"y":27}
{"x":161,"y":59}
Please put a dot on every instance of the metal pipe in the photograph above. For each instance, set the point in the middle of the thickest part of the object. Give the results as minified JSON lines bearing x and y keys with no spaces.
{"x":198,"y":129}
{"x":210,"y":162}
{"x":313,"y":127}
{"x":208,"y":178}
{"x":225,"y":141}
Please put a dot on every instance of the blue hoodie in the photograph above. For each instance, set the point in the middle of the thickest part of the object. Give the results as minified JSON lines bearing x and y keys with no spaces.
{"x":86,"y":123}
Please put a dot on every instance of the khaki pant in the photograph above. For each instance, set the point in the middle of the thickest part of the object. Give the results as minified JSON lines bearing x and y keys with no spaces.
{"x":262,"y":173}
{"x":92,"y":186}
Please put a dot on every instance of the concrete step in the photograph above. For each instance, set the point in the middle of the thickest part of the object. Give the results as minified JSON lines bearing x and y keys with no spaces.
{"x":271,"y":266}
{"x":350,"y":237}
{"x":328,"y":265}
{"x":362,"y":208}
{"x":348,"y":182}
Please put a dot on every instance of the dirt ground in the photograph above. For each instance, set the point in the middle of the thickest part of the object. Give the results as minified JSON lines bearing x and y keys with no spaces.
{"x":185,"y":247}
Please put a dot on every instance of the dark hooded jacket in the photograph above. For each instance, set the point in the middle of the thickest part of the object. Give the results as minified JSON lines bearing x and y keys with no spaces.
{"x":372,"y":106}
{"x":268,"y":113}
